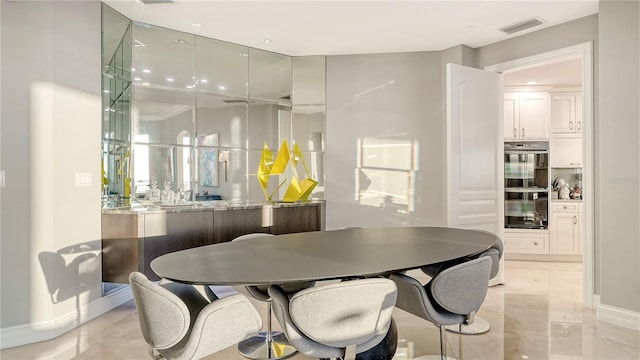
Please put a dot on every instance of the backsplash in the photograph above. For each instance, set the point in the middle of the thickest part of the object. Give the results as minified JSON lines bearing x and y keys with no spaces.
{"x":572,"y":176}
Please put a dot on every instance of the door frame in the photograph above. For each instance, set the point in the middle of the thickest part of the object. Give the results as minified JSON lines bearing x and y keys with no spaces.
{"x":583,"y":51}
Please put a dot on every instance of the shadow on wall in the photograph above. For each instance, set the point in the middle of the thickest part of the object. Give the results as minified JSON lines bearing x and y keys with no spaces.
{"x":71,"y":271}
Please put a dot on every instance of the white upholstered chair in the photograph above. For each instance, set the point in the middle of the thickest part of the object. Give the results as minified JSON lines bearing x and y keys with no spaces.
{"x":178,"y":321}
{"x":337,"y":319}
{"x":268,"y":344}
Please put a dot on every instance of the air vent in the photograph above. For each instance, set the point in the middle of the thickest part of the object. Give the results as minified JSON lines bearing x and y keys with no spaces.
{"x":522,"y":25}
{"x":156,"y":2}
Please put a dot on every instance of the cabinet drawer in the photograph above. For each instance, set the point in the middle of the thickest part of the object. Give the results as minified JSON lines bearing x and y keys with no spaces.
{"x":560,"y":207}
{"x":525,"y":243}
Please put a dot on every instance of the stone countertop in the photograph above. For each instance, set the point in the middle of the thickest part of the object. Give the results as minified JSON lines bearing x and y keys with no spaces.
{"x":215,"y":205}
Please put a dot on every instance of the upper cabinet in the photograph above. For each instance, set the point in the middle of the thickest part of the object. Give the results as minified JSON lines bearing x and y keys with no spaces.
{"x":566,"y":112}
{"x":526,"y":115}
{"x":566,"y":150}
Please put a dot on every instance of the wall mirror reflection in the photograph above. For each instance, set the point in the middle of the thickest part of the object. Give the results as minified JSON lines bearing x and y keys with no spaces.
{"x":169,"y":94}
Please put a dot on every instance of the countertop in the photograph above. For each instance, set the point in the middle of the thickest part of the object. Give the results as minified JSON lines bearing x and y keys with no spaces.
{"x":215,"y":205}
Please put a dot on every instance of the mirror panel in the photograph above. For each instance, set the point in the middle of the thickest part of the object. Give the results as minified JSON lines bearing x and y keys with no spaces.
{"x":221,"y":68}
{"x":269,"y":76}
{"x":116,"y":104}
{"x":162,"y":115}
{"x":162,"y":57}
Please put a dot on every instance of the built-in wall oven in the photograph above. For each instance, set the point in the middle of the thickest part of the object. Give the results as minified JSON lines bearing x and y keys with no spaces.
{"x":526,"y":185}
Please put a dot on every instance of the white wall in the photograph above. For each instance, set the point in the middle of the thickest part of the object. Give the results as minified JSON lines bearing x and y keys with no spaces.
{"x":51,"y":117}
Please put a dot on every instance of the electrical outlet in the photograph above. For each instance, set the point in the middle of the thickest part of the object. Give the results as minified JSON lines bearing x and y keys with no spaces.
{"x":83,"y":179}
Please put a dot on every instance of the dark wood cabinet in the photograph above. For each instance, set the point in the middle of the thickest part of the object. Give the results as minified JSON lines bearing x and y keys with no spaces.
{"x":131,"y":240}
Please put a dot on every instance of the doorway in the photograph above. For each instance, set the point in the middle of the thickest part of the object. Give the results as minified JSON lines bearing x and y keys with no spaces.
{"x":582,"y":53}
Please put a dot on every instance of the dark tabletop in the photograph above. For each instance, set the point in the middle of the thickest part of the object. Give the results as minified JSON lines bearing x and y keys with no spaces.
{"x":320,"y":255}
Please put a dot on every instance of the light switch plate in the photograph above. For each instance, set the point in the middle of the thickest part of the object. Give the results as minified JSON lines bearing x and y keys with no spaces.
{"x":83,"y":179}
{"x":2,"y":179}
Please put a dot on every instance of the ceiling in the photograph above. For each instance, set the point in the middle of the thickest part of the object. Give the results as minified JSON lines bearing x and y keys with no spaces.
{"x":328,"y":27}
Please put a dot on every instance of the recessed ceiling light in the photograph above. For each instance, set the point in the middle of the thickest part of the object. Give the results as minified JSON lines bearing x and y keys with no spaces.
{"x":204,"y":81}
{"x":106,"y":91}
{"x":133,"y":69}
{"x":146,"y":84}
{"x":266,"y":41}
{"x":222,"y":87}
{"x":196,"y":24}
{"x":244,"y":54}
{"x":169,"y":79}
{"x":532,"y":82}
{"x":146,"y":71}
{"x":471,"y":27}
{"x":189,"y":86}
{"x":137,"y":79}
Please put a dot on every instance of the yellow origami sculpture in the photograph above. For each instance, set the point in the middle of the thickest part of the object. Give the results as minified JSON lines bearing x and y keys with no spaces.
{"x":297,"y":190}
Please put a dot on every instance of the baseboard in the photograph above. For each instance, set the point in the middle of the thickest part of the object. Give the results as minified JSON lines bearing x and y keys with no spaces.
{"x":617,"y":316}
{"x":46,"y":330}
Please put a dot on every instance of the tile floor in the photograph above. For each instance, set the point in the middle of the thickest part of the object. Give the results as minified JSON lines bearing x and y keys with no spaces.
{"x":537,"y":314}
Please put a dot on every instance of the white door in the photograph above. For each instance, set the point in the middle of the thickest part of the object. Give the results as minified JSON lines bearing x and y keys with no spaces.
{"x":475,"y":151}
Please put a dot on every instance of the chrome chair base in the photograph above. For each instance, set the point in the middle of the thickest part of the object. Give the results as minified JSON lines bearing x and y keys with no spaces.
{"x":479,"y":326}
{"x":257,"y":348}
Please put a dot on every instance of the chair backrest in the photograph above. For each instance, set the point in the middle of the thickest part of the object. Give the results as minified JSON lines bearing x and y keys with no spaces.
{"x":462,"y":288}
{"x":345,"y":313}
{"x":164,"y":318}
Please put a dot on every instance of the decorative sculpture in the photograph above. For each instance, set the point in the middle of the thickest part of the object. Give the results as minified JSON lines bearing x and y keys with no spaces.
{"x":298,"y":189}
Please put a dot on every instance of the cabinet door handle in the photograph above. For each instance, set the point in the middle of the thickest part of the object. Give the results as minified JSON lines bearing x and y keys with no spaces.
{"x":535,"y":243}
{"x":515,"y":132}
{"x":575,"y":163}
{"x":575,"y":220}
{"x":523,"y":133}
{"x":579,"y":127}
{"x":570,"y":125}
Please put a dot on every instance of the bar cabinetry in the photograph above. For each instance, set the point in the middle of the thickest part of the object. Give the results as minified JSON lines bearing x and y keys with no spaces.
{"x":131,"y":239}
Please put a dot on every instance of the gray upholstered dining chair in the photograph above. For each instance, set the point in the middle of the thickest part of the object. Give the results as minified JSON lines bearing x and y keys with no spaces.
{"x":268,"y":344}
{"x":451,"y":297}
{"x":180,"y":322}
{"x":480,"y":325}
{"x":336,"y":319}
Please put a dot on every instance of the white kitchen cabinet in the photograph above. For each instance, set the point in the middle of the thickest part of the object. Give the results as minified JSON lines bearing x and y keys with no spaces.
{"x":517,"y":241}
{"x":566,"y":113}
{"x":566,"y":228}
{"x":565,"y":150}
{"x":526,"y":115}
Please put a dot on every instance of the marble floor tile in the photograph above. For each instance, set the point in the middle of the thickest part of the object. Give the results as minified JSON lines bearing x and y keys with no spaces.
{"x":536,"y":314}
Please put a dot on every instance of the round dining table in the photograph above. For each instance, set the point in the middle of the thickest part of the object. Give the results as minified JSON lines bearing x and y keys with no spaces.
{"x":320,"y":255}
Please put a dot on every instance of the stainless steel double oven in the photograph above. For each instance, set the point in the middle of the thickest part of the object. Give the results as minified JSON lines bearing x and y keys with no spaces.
{"x":526,"y":185}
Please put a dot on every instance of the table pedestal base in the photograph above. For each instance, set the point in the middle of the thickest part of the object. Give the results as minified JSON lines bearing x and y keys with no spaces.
{"x":257,"y":347}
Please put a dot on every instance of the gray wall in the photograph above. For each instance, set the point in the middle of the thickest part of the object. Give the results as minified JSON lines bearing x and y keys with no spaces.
{"x":50,"y":110}
{"x":618,"y":153}
{"x":383,"y":96}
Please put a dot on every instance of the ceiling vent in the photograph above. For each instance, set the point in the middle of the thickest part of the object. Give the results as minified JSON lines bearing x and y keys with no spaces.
{"x":156,"y":2}
{"x":522,"y":25}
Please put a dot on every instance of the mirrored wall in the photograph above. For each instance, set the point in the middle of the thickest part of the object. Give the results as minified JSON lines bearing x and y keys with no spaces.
{"x":191,"y":115}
